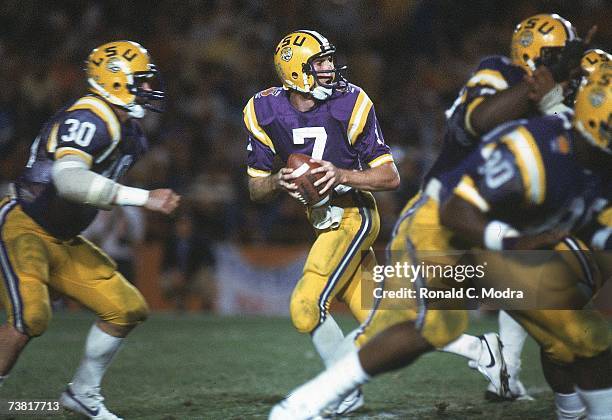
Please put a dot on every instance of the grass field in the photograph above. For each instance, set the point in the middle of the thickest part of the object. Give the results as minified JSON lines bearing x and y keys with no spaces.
{"x":208,"y":367}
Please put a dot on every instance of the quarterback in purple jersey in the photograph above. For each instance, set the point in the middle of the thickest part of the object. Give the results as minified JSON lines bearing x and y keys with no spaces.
{"x":541,"y":169}
{"x":72,"y":172}
{"x":318,"y":113}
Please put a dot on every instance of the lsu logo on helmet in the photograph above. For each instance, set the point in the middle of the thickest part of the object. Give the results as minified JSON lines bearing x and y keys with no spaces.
{"x":539,"y":38}
{"x":116,"y":72}
{"x":593,"y":108}
{"x":293,"y":58}
{"x":593,"y":58}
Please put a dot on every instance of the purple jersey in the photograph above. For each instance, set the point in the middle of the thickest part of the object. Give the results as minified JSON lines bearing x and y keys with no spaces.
{"x":342,"y":130}
{"x":90,"y":129}
{"x":527,"y":174}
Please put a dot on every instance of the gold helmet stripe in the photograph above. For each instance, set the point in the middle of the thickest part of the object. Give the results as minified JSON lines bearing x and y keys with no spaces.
{"x":320,"y":38}
{"x":566,"y":25}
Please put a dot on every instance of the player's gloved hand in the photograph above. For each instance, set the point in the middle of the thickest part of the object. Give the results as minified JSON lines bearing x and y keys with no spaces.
{"x":162,"y":200}
{"x":544,"y":240}
{"x":331,"y":177}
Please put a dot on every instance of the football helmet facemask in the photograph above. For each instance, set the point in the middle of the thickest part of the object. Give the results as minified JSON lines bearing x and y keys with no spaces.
{"x":117,"y":71}
{"x":293,"y":61}
{"x":540,"y":39}
{"x":593,"y":108}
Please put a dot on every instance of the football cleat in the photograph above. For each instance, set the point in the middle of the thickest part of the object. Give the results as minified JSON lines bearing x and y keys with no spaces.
{"x":90,"y":404}
{"x":286,"y":410}
{"x":518,"y":392}
{"x":353,"y":402}
{"x":493,"y":367}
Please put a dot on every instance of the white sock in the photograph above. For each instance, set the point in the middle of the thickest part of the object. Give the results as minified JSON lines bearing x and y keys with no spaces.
{"x":100,"y":348}
{"x":329,"y":386}
{"x":468,"y":346}
{"x":327,"y":339}
{"x":348,"y":345}
{"x":512,"y":336}
{"x":569,"y":406}
{"x":598,"y":403}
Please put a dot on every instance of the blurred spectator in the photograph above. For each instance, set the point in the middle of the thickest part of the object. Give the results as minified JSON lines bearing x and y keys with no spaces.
{"x":188,"y":266}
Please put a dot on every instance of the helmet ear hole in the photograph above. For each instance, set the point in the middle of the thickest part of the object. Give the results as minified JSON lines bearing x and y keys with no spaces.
{"x":294,"y":75}
{"x":116,"y":85}
{"x":592,"y":124}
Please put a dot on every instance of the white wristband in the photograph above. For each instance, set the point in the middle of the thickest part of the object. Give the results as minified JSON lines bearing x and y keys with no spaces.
{"x":496,"y":232}
{"x":128,"y":196}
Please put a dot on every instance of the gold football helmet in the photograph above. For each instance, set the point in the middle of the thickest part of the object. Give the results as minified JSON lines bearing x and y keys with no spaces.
{"x":592,"y":58}
{"x":593,"y":108}
{"x":117,"y":70}
{"x":538,"y":38}
{"x":293,"y":59}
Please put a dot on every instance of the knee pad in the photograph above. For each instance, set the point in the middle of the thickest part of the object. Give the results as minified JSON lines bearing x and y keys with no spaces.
{"x":134,"y":312}
{"x":128,"y":305}
{"x":305,"y":313}
{"x":36,"y":319}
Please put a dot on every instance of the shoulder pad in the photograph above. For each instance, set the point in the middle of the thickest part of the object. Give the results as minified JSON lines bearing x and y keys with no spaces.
{"x":496,"y":71}
{"x":102,"y":111}
{"x":263,"y":105}
{"x":351,"y":105}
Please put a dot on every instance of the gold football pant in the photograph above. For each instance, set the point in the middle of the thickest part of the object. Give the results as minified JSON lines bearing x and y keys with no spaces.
{"x":562,"y":334}
{"x":32,"y":261}
{"x":333,"y":266}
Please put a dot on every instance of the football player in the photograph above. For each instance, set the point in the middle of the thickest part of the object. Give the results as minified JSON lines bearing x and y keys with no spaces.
{"x":72,"y":172}
{"x":501,"y":89}
{"x":318,"y":113}
{"x":528,"y":176}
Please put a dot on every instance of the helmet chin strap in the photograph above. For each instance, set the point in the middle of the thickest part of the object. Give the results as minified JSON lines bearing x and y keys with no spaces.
{"x":136,"y":111}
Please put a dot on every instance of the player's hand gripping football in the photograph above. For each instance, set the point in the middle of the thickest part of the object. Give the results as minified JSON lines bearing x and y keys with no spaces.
{"x":284,"y":181}
{"x":163,"y":201}
{"x":330,"y":179}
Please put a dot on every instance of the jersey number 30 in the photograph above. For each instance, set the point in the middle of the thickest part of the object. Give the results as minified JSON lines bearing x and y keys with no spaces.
{"x":318,"y":134}
{"x":79,"y":132}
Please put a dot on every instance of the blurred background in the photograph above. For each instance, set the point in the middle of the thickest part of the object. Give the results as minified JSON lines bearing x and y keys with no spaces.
{"x":221,"y":252}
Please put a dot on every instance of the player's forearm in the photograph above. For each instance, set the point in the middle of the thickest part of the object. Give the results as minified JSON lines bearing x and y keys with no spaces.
{"x":263,"y":188}
{"x":75,"y":182}
{"x":507,"y":105}
{"x":381,"y":178}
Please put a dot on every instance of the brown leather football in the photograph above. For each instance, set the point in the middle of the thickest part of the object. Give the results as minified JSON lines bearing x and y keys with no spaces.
{"x":301,"y":165}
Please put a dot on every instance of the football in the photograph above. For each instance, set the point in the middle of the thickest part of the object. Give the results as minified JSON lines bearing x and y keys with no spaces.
{"x":308,"y":193}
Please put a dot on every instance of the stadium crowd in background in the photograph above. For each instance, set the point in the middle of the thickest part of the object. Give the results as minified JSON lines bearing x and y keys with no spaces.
{"x":410,"y":56}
